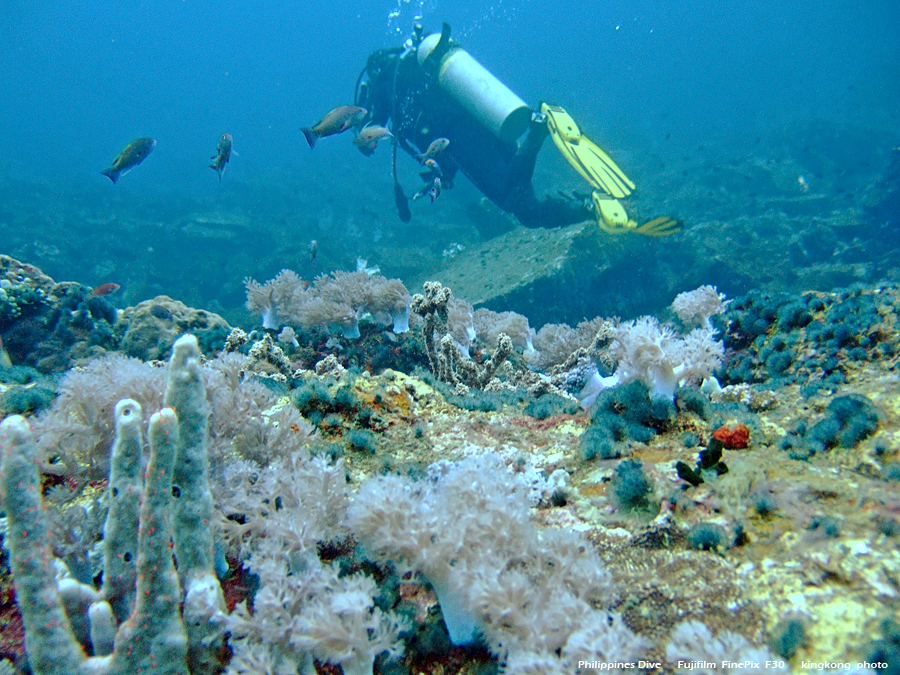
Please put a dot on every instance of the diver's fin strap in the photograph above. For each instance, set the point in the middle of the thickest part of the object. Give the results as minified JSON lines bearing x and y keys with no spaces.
{"x":585,"y":156}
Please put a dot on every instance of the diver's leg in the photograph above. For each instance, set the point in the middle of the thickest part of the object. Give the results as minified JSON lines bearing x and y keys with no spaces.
{"x":551,"y":212}
{"x":521,"y":168}
{"x":520,"y":199}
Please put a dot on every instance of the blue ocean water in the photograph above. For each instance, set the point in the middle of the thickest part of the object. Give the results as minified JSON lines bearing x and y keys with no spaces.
{"x":770,"y":131}
{"x":674,"y":91}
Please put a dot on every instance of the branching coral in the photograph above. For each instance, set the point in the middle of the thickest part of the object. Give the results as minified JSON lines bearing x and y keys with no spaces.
{"x":447,"y":361}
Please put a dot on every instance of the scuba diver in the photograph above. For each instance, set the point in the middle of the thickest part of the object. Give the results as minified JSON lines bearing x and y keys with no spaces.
{"x":431,"y":89}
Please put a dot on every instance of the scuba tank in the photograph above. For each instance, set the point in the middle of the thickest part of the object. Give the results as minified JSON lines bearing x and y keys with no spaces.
{"x":474,"y":87}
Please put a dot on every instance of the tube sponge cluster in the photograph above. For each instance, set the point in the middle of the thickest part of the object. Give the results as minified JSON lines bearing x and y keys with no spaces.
{"x":142,"y":591}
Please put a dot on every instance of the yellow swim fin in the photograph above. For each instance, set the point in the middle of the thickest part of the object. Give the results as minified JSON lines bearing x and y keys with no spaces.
{"x":585,"y":156}
{"x":659,"y":227}
{"x":611,"y":215}
{"x":612,"y":219}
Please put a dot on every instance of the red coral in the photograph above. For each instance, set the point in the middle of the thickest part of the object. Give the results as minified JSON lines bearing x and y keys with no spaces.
{"x":733,"y":439}
{"x":12,"y":629}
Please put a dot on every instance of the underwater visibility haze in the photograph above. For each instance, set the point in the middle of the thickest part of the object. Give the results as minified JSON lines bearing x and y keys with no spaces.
{"x":646,"y":415}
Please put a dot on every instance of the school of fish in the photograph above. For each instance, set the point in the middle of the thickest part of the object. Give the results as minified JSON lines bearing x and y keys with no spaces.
{"x":334,"y":122}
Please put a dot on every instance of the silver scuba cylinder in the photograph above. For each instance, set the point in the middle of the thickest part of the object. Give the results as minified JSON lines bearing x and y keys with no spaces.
{"x":476,"y":89}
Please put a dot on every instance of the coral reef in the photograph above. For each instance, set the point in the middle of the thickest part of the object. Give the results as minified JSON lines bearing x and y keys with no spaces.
{"x":426,"y":529}
{"x":49,"y":325}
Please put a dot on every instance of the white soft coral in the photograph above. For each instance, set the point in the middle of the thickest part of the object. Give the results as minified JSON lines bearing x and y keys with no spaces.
{"x":343,"y":627}
{"x":695,"y":308}
{"x":646,"y":351}
{"x":532,"y":594}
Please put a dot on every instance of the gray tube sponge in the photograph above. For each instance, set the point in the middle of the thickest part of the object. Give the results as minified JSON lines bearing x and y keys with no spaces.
{"x":204,"y":604}
{"x":156,"y":637}
{"x":120,"y":533}
{"x":153,"y":638}
{"x":49,"y":641}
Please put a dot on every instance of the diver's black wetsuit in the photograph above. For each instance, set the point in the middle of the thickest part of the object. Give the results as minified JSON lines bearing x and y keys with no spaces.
{"x":397,"y":89}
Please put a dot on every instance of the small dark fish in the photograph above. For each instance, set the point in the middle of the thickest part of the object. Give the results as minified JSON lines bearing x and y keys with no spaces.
{"x":313,"y":251}
{"x":338,"y":120}
{"x":223,"y":154}
{"x":106,"y":289}
{"x":438,"y":145}
{"x":133,"y":154}
{"x":433,"y":167}
{"x":367,"y":139}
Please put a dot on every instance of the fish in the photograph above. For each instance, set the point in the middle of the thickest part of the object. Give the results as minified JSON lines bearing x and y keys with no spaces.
{"x":106,"y":289}
{"x":223,"y":154}
{"x":433,"y":167}
{"x":313,"y":252}
{"x":338,"y":120}
{"x":433,"y":190}
{"x":133,"y":154}
{"x":438,"y":145}
{"x":367,"y":139}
